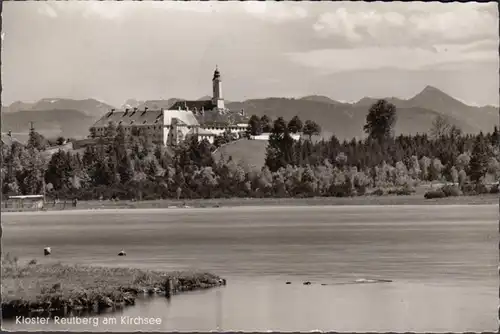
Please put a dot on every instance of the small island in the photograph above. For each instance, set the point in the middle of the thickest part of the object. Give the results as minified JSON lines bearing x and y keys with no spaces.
{"x":33,"y":288}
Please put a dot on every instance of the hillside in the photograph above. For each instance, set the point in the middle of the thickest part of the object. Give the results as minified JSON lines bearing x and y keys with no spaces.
{"x":342,"y":119}
{"x":249,"y":153}
{"x":431,"y":98}
{"x":89,"y":107}
{"x":345,"y":121}
{"x":320,"y":98}
{"x":50,"y":123}
{"x":53,"y":116}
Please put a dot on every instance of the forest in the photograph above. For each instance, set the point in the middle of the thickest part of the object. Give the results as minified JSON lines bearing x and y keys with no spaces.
{"x":134,"y":167}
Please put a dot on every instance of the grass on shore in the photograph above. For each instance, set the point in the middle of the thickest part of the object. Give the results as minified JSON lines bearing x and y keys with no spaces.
{"x":55,"y":287}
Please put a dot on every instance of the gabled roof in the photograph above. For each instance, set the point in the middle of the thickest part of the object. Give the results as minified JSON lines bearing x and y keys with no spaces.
{"x":148,"y":117}
{"x":131,"y":117}
{"x":183,"y":117}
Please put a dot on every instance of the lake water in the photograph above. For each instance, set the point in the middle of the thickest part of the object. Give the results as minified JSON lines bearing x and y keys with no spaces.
{"x":442,"y":261}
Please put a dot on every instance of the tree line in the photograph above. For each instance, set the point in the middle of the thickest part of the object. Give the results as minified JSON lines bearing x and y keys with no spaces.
{"x":125,"y":167}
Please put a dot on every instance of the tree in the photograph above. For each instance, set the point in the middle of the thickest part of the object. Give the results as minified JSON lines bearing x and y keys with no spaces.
{"x":462,"y":177}
{"x":266,"y":123}
{"x":455,"y":132}
{"x":110,"y":130}
{"x":280,"y":148}
{"x":380,"y":120}
{"x":125,"y":169}
{"x":254,"y":126}
{"x":311,"y":128}
{"x":454,"y":174}
{"x":60,"y":141}
{"x":295,"y":125}
{"x":279,"y":126}
{"x":440,"y":127}
{"x":36,"y":141}
{"x":495,"y":137}
{"x":32,"y":176}
{"x":478,"y":165}
{"x":59,"y":171}
{"x":93,"y":132}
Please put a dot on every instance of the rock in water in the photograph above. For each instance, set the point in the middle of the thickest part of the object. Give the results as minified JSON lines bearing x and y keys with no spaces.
{"x":307,"y":283}
{"x":122,"y":253}
{"x":288,"y":283}
{"x":47,"y":251}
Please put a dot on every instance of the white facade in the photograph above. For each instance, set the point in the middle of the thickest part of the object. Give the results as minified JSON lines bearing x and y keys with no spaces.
{"x":171,"y":126}
{"x":265,"y":136}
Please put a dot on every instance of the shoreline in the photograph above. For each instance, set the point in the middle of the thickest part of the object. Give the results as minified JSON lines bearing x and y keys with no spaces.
{"x":388,"y":200}
{"x":62,"y":290}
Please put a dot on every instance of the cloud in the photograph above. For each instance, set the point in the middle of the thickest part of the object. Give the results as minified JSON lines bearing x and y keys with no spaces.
{"x":370,"y":58}
{"x":358,"y":25}
{"x":47,"y":10}
{"x":384,"y":24}
{"x":112,"y":10}
{"x":275,"y":11}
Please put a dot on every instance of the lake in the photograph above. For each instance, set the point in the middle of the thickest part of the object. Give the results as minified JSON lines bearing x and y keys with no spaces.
{"x":442,"y":261}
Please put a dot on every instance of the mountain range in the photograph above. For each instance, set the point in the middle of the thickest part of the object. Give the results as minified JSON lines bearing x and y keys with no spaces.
{"x":72,"y":118}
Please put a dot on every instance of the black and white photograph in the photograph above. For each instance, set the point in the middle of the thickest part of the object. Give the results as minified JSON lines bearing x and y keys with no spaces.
{"x":251,"y":166}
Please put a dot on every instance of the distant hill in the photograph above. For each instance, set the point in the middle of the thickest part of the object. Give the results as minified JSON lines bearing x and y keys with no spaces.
{"x":54,"y":116}
{"x":345,"y":120}
{"x":431,"y":98}
{"x":90,"y":107}
{"x":320,"y":98}
{"x":17,"y":106}
{"x":50,"y":123}
{"x":131,"y":103}
{"x":205,"y":98}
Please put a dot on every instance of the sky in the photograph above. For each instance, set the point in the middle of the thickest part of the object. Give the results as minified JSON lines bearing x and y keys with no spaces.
{"x":114,"y":51}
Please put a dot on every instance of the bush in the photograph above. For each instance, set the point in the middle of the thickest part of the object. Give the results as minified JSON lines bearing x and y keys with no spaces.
{"x":450,"y":190}
{"x":434,"y":194}
{"x":494,"y":189}
{"x":481,"y":189}
{"x":360,"y":190}
{"x":402,"y":191}
{"x":378,"y":192}
{"x":469,"y":189}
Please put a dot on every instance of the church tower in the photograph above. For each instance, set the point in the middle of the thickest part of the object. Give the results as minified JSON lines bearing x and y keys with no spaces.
{"x":217,"y":98}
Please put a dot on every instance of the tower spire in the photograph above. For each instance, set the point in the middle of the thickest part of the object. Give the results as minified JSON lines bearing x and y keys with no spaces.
{"x":217,"y":98}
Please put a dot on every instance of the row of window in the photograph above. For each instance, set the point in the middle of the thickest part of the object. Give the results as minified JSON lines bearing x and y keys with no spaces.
{"x":128,"y":129}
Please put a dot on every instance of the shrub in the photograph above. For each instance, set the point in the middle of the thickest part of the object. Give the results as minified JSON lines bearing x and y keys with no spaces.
{"x":494,"y":189}
{"x":434,"y":194}
{"x":402,"y":191}
{"x":361,"y":190}
{"x":468,"y":189}
{"x":481,"y":189}
{"x":405,"y":191}
{"x":378,"y":192}
{"x":450,"y":190}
